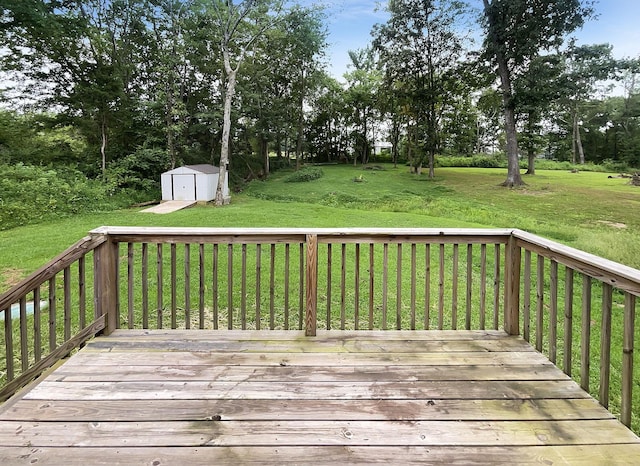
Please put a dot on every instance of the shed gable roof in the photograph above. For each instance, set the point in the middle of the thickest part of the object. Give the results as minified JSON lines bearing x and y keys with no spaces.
{"x":187,"y":169}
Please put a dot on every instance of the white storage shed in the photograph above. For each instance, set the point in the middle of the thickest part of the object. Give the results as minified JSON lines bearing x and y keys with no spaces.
{"x":192,"y":183}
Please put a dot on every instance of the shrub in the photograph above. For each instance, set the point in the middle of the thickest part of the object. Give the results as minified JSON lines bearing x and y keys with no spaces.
{"x":477,"y":161}
{"x":31,"y":194}
{"x":304,"y":175}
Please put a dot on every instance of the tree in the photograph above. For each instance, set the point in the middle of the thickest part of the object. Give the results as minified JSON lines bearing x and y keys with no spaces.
{"x":239,"y":26}
{"x":516,"y":31}
{"x":420,"y":47}
{"x":584,"y":66}
{"x":536,"y":90}
{"x":363,"y":83}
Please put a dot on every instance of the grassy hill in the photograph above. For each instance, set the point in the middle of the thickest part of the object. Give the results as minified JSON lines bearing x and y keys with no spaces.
{"x":586,"y":210}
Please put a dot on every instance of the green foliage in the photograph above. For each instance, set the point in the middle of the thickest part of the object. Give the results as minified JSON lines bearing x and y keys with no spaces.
{"x":30,"y":194}
{"x":304,"y":175}
{"x":139,"y":171}
{"x":477,"y":161}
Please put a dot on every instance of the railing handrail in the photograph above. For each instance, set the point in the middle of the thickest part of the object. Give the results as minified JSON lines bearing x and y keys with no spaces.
{"x":50,"y":269}
{"x":511,"y":278}
{"x":231,"y":231}
{"x":614,"y":273}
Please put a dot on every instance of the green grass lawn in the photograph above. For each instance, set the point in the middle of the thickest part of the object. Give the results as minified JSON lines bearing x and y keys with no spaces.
{"x":585,"y":210}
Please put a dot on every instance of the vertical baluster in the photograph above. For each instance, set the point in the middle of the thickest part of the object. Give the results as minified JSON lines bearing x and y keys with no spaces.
{"x":427,"y":286}
{"x":311,"y":272}
{"x":66,"y":278}
{"x":540,"y":303}
{"x":201,"y":287}
{"x":287,"y":258}
{"x":302,"y":297}
{"x":52,"y":314}
{"x":454,"y":287}
{"x":356,"y":312}
{"x":605,"y":343}
{"x":8,"y":344}
{"x":215,"y":287}
{"x":117,"y":284}
{"x":441,"y":291}
{"x":371,"y":284}
{"x":585,"y":337}
{"x":145,"y":285}
{"x":230,"y":286}
{"x":413,"y":285}
{"x":526,"y":326}
{"x":187,"y":286}
{"x":24,"y":334}
{"x":483,"y":286}
{"x":399,"y":289}
{"x":130,"y":285}
{"x":343,"y":284}
{"x":258,"y":285}
{"x":385,"y":284}
{"x":329,"y":267}
{"x":174,"y":273}
{"x":553,"y":313}
{"x":37,"y":324}
{"x":243,"y":291}
{"x":82,"y":295}
{"x":627,"y":358}
{"x":159,"y":283}
{"x":496,"y":288}
{"x":568,"y":321}
{"x":272,"y":288}
{"x":467,"y":322}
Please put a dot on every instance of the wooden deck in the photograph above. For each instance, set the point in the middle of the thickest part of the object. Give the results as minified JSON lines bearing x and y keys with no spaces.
{"x":234,"y":397}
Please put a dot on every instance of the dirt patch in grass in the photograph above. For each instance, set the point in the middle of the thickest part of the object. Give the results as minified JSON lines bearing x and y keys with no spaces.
{"x":619,"y":226}
{"x":10,"y":277}
{"x":528,"y":192}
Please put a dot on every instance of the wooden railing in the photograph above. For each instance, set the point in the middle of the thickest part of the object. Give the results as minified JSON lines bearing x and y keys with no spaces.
{"x":154,"y":278}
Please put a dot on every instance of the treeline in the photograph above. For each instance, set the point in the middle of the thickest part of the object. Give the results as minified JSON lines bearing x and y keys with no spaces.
{"x":134,"y":87}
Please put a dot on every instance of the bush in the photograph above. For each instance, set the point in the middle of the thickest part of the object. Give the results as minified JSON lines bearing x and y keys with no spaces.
{"x":31,"y":194}
{"x":304,"y":175}
{"x":477,"y":161}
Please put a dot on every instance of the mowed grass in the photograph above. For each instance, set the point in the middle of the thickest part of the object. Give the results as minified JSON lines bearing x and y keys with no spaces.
{"x":585,"y":210}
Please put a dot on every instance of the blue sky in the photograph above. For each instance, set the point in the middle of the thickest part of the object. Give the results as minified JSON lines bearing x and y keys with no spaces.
{"x":350,"y":22}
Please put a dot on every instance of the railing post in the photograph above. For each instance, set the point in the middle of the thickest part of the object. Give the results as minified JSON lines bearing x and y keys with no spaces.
{"x":105,"y":283}
{"x":312,"y":286}
{"x":513,"y":258}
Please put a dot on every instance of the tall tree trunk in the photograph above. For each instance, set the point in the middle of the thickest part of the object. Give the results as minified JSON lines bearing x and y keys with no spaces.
{"x":432,"y":165}
{"x":531,"y":167}
{"x":171,"y":146}
{"x":578,"y":140}
{"x":300,"y":120}
{"x":264,"y":149}
{"x":226,"y":132}
{"x":513,"y":169}
{"x":103,"y":146}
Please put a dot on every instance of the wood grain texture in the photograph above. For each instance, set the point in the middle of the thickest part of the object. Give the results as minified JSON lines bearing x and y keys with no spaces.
{"x":278,"y":397}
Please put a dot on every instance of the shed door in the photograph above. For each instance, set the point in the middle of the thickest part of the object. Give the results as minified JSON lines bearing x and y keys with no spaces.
{"x":184,"y":187}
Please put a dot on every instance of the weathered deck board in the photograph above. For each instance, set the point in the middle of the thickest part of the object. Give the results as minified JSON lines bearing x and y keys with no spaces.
{"x":189,"y":456}
{"x":292,"y":410}
{"x":273,"y":397}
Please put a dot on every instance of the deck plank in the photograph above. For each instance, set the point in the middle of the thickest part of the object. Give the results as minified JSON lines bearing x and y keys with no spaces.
{"x":120,"y":358}
{"x":291,"y":410}
{"x":166,"y":373}
{"x":495,"y":390}
{"x":330,"y":455}
{"x":314,"y":433}
{"x":274,"y":397}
